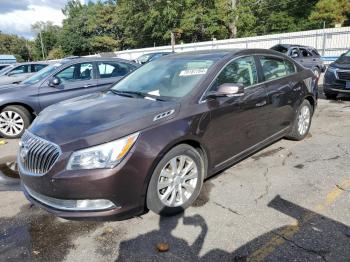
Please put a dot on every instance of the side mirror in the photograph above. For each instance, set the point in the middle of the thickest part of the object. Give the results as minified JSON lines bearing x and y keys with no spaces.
{"x":227,"y":90}
{"x":294,"y":55}
{"x":54,"y":82}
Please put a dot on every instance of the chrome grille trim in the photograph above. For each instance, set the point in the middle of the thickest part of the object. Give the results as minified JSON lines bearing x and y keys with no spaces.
{"x":37,"y":155}
{"x":343,"y":74}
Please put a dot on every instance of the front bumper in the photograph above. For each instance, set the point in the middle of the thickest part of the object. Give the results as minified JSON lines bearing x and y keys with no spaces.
{"x":58,"y":191}
{"x":333,"y":85}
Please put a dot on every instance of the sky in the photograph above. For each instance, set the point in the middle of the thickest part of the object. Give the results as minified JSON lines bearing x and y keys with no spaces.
{"x":17,"y":16}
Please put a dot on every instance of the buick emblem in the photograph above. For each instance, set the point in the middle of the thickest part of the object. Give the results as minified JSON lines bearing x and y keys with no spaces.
{"x":24,"y":153}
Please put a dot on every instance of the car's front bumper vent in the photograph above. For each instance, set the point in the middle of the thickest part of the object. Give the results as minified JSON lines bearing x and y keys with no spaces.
{"x":36,"y":155}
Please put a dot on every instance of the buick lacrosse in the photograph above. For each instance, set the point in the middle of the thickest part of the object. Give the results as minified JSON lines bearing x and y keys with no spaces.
{"x":150,"y":141}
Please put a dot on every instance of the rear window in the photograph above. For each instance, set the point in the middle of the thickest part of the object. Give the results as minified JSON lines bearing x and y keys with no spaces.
{"x":280,"y":48}
{"x":314,"y":52}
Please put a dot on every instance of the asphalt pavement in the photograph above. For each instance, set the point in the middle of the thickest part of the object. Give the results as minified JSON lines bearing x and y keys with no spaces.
{"x":288,"y":202}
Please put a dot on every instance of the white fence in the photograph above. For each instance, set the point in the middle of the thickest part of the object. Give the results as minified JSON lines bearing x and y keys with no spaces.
{"x":329,"y":42}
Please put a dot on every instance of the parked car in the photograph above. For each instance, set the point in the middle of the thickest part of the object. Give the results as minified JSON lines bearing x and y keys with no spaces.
{"x":19,"y":104}
{"x":151,"y":140}
{"x":146,"y":58}
{"x":337,"y":77}
{"x":16,"y":73}
{"x":2,"y":66}
{"x":304,"y":55}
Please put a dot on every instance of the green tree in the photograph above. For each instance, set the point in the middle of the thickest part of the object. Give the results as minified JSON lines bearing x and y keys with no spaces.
{"x":331,"y":11}
{"x":48,"y":35}
{"x":17,"y":46}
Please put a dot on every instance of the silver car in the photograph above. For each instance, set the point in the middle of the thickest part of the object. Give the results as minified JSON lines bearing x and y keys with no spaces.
{"x":18,"y":72}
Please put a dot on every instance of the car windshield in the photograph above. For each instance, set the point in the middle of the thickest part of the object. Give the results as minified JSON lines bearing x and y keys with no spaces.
{"x":41,"y":74}
{"x":144,"y":58}
{"x":347,"y":53}
{"x":170,"y":78}
{"x":6,"y":69}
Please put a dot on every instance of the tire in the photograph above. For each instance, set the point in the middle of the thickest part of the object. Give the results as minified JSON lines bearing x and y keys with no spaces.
{"x":171,"y":203}
{"x":21,"y":120}
{"x":331,"y":96}
{"x":298,"y":133}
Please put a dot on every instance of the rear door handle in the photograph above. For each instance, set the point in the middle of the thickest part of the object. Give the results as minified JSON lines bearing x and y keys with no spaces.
{"x":262,"y":103}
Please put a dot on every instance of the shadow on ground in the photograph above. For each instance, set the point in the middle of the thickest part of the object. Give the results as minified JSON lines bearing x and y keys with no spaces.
{"x":312,"y":238}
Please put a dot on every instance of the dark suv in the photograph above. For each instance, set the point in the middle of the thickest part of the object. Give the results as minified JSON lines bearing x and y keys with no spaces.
{"x":69,"y":78}
{"x":151,"y":140}
{"x":337,"y":77}
{"x":304,"y":55}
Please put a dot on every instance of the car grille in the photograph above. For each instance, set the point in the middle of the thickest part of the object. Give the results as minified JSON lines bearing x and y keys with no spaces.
{"x":36,"y":155}
{"x":344,"y":75}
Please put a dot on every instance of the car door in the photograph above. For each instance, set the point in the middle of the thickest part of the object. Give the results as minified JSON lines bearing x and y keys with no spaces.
{"x":237,"y":123}
{"x":306,"y":58}
{"x":279,"y":77}
{"x":74,"y":80}
{"x":110,"y":72}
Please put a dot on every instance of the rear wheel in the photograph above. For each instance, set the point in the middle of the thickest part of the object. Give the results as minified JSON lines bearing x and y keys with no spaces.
{"x":176,"y":181}
{"x":13,"y":121}
{"x":302,"y":122}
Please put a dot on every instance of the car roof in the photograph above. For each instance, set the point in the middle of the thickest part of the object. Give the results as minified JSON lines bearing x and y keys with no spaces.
{"x":293,"y":45}
{"x":32,"y":63}
{"x":221,"y":53}
{"x":74,"y":60}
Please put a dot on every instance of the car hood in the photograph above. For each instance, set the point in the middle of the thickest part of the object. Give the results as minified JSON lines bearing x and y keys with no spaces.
{"x":98,"y":118}
{"x":342,"y":62}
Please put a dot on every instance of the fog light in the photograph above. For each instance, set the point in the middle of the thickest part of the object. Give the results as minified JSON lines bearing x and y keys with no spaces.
{"x":96,"y":204}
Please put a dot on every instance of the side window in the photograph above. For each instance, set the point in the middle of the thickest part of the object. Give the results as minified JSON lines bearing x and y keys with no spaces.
{"x":76,"y":72}
{"x":240,"y":71}
{"x":304,"y":52}
{"x":273,"y":68}
{"x":294,"y":52}
{"x":290,"y":68}
{"x":37,"y":67}
{"x":112,"y":69}
{"x":19,"y":70}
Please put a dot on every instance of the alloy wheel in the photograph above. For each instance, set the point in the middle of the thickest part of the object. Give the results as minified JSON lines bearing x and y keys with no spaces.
{"x":11,"y":123}
{"x":177,"y":181}
{"x":304,"y":119}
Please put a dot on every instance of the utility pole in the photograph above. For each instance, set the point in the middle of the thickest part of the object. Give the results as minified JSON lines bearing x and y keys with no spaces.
{"x":232,"y":25}
{"x":172,"y":41}
{"x":42,"y":44}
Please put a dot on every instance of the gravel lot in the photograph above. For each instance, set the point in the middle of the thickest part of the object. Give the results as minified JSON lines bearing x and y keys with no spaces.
{"x":288,"y":202}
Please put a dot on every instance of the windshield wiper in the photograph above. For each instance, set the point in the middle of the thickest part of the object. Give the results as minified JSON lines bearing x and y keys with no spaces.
{"x":136,"y":93}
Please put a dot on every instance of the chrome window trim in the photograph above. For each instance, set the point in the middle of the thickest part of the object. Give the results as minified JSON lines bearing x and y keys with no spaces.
{"x":202,"y":100}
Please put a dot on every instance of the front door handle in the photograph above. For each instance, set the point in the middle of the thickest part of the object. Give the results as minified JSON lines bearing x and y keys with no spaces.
{"x":262,"y":103}
{"x":87,"y":85}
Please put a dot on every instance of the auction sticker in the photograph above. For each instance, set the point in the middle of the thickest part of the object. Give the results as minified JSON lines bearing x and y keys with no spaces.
{"x":193,"y":72}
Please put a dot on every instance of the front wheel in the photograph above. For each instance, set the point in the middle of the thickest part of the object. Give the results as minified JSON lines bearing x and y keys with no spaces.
{"x":13,"y":121}
{"x":302,"y":122}
{"x":176,"y":181}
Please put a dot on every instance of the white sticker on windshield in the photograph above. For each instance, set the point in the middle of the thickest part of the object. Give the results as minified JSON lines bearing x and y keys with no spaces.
{"x":193,"y":72}
{"x":155,"y":93}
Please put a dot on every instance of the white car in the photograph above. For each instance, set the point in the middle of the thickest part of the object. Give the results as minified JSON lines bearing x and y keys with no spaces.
{"x":18,"y":72}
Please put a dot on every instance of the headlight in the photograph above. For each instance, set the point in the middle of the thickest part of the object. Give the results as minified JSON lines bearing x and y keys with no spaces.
{"x":332,"y":70}
{"x":102,"y":156}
